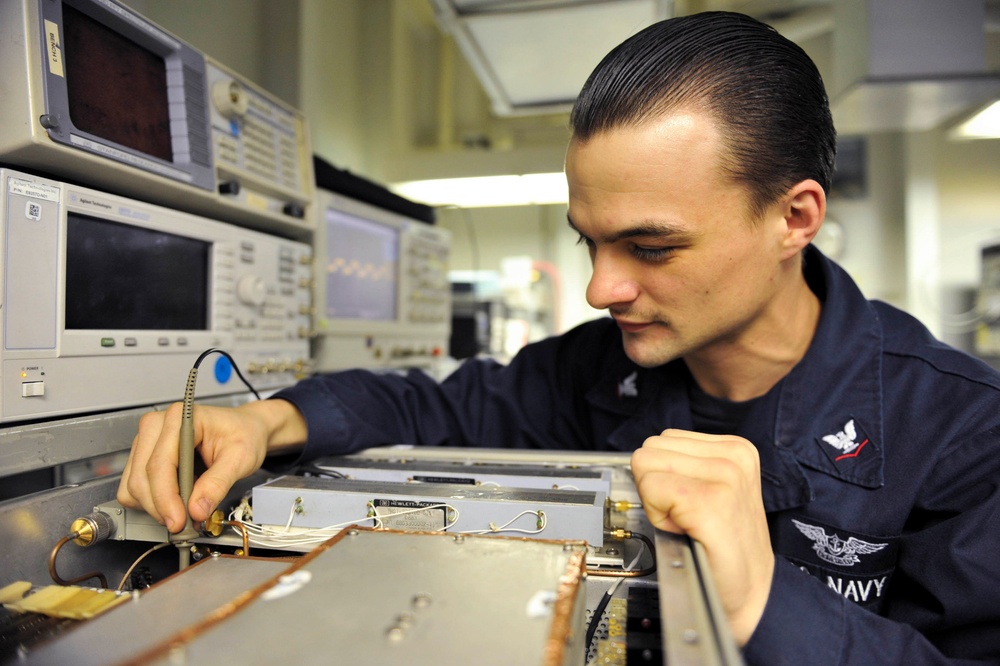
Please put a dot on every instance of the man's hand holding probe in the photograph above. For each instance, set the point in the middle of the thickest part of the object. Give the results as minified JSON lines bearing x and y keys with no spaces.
{"x":708,"y":487}
{"x":233,"y":444}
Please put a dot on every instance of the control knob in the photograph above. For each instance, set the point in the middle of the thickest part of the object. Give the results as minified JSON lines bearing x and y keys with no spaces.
{"x":230,"y":99}
{"x":252,"y":290}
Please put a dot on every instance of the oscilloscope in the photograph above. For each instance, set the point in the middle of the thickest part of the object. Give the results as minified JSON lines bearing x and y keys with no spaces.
{"x":107,"y":301}
{"x":114,"y":101}
{"x":382,"y":294}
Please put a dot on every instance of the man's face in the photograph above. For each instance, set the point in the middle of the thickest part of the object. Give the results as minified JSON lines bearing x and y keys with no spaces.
{"x":677,"y":260}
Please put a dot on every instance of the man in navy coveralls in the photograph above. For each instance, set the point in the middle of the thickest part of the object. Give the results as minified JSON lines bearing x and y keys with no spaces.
{"x":839,"y":465}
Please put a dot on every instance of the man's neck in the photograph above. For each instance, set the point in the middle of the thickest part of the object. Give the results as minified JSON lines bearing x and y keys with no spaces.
{"x":756,"y":359}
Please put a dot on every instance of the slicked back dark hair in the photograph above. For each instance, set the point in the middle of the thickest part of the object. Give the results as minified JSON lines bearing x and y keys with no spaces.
{"x":763,"y":91}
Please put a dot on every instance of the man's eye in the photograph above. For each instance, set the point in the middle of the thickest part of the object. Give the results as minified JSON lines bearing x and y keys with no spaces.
{"x":651,"y":253}
{"x":583,"y":240}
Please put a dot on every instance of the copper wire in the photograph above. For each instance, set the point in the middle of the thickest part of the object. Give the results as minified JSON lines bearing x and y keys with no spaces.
{"x":72,"y":581}
{"x":246,"y":536}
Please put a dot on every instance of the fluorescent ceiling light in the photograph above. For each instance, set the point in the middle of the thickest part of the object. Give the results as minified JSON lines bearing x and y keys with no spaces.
{"x":983,"y":125}
{"x":529,"y":189}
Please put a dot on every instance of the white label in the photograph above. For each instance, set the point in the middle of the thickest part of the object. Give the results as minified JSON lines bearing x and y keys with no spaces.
{"x":54,"y":48}
{"x":27,"y":188}
{"x":409,"y":515}
{"x":33,"y":211}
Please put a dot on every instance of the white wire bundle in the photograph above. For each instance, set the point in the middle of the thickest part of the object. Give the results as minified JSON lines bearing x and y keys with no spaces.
{"x":288,"y":536}
{"x":270,"y":536}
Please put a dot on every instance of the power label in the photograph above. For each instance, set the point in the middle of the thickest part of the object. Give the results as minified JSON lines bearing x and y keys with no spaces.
{"x":409,"y":515}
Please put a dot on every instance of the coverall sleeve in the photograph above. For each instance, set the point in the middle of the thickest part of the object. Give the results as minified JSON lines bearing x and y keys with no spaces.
{"x":534,"y":402}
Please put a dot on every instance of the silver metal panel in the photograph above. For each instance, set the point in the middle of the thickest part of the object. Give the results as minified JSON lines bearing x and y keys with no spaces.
{"x":31,"y":527}
{"x":427,"y":599}
{"x":519,"y":456}
{"x":339,"y":502}
{"x":25,"y":447}
{"x":694,"y":628}
{"x":479,"y":474}
{"x":369,"y":598}
{"x":137,"y":626}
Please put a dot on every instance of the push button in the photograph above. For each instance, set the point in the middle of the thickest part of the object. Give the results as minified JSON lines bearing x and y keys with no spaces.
{"x":32,"y":389}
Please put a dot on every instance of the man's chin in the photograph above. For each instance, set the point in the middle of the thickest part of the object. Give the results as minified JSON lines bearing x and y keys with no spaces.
{"x":646,"y":356}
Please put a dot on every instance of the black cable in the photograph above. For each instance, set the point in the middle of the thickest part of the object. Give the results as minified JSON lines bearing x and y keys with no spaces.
{"x":236,"y":368}
{"x":311,"y":469}
{"x":631,"y":573}
{"x":595,"y":620}
{"x":650,"y":548}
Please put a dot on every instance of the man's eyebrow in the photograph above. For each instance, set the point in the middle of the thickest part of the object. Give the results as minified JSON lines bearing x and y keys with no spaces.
{"x":644,"y":229}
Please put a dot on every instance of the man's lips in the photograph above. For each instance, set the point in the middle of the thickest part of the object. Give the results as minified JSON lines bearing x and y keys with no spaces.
{"x":632,"y":326}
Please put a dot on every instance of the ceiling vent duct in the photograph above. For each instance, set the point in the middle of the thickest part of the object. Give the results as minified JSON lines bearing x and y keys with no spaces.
{"x":533,"y":56}
{"x":908,"y":65}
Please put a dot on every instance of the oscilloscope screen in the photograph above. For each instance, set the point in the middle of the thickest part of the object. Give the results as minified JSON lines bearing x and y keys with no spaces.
{"x":362,"y":266}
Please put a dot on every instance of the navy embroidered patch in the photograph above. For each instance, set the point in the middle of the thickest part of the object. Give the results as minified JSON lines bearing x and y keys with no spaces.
{"x":846,"y":444}
{"x":628,"y":388}
{"x":855,"y":565}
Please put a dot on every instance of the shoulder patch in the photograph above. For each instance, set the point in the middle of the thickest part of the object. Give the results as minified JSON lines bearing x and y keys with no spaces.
{"x":845,"y":444}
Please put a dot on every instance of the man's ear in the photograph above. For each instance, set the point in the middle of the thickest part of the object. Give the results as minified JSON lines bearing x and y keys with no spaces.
{"x":804,"y":210}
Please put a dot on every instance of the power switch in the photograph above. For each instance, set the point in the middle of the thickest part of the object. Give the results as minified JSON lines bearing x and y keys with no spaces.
{"x":32,"y":389}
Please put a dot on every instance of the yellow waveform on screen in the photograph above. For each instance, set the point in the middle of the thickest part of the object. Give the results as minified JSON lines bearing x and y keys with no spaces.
{"x":362,"y":270}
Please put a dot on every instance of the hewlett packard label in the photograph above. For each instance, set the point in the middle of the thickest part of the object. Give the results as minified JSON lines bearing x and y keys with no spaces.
{"x":409,"y":515}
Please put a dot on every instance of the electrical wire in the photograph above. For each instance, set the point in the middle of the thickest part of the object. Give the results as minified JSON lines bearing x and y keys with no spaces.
{"x":288,"y":536}
{"x":242,"y":529}
{"x":72,"y":581}
{"x":541,"y":522}
{"x":296,"y":507}
{"x":595,"y":619}
{"x":236,"y":368}
{"x":318,"y":470}
{"x":629,"y":573}
{"x":128,"y":573}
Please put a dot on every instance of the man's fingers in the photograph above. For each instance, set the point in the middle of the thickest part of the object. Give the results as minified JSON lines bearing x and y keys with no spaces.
{"x":125,"y":496}
{"x":161,"y":472}
{"x":685,"y":463}
{"x":656,"y":450}
{"x":678,"y":502}
{"x":656,"y":503}
{"x":215,"y":483}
